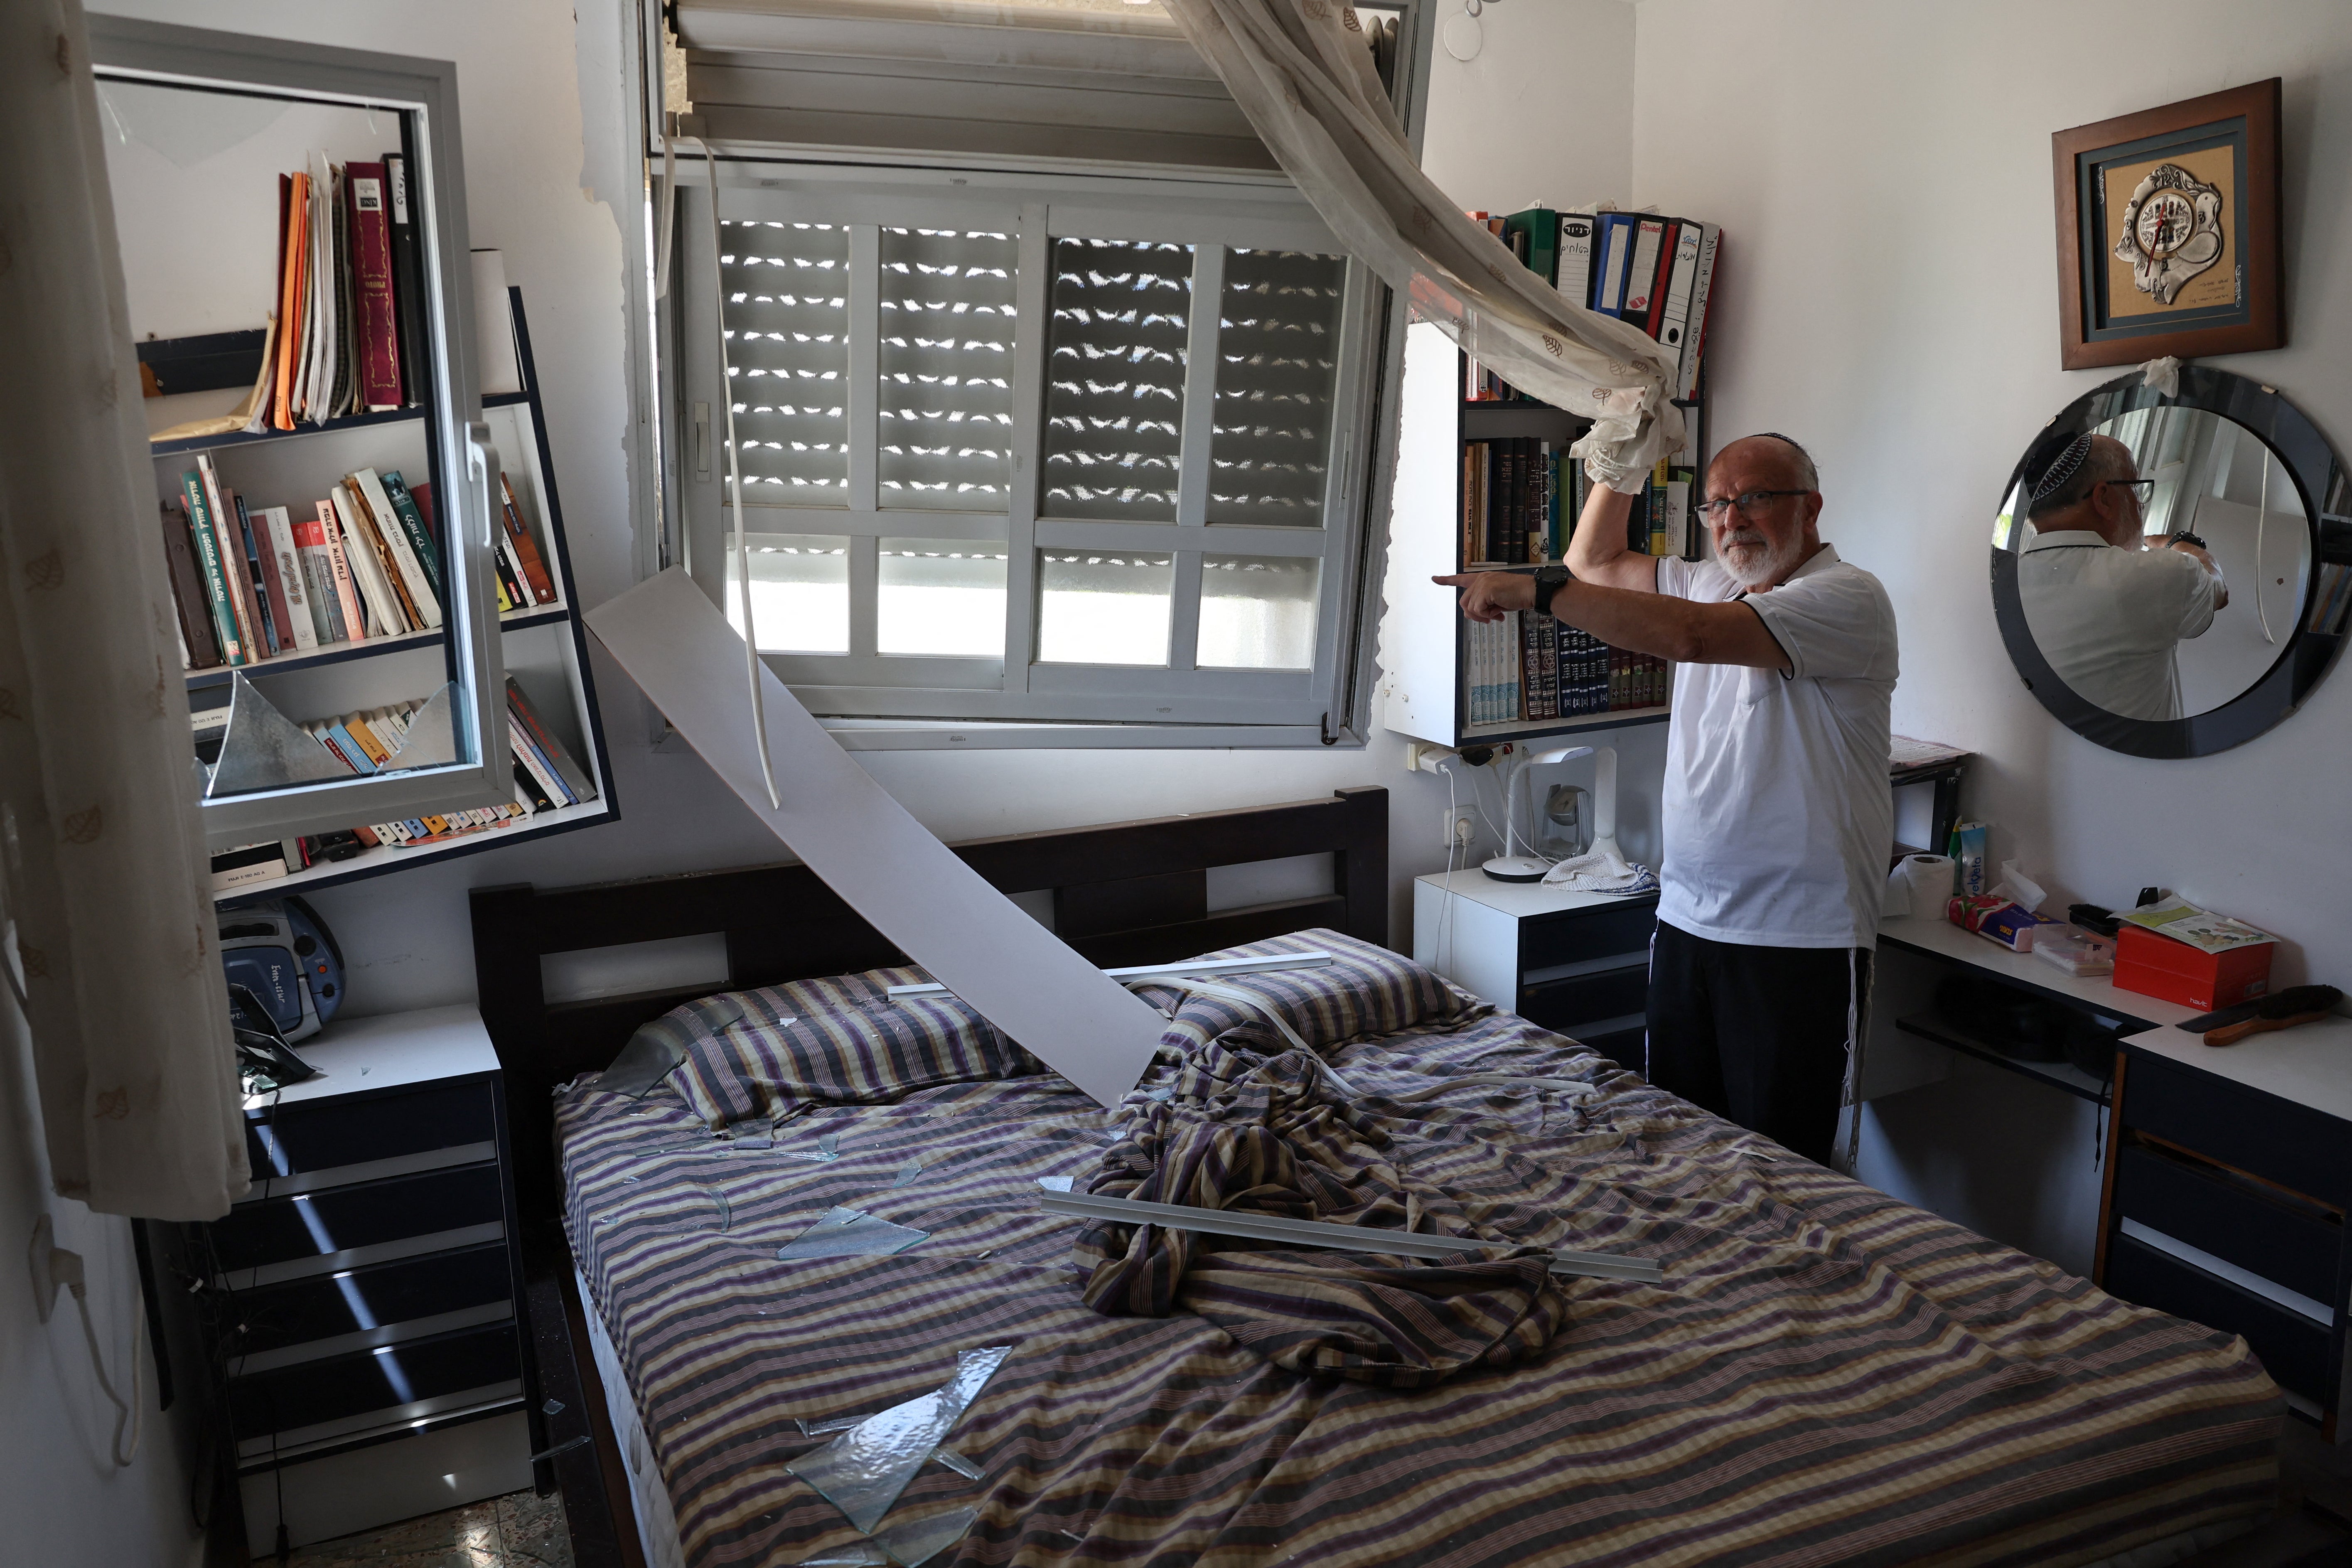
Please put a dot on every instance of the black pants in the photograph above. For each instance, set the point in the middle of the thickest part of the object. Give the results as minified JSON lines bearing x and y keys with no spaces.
{"x":1756,"y":1034}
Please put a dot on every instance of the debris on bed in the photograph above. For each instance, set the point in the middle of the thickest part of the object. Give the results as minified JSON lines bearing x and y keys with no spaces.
{"x":918,"y":1541}
{"x":828,"y":1147}
{"x":863,"y":1471}
{"x":907,"y":1174}
{"x":851,"y":1233}
{"x":1055,"y":1183}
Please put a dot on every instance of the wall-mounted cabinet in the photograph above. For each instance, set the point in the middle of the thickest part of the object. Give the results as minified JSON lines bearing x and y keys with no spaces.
{"x":1451,"y":680}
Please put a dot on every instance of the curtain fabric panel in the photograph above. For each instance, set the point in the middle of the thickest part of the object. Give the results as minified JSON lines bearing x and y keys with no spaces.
{"x":108,"y":939}
{"x":1300,"y":71}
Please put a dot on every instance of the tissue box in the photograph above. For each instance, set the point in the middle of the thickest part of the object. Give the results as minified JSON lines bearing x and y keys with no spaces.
{"x":2173,"y":971}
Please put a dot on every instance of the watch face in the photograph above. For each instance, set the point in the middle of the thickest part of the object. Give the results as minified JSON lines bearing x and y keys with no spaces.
{"x":2165,"y":223}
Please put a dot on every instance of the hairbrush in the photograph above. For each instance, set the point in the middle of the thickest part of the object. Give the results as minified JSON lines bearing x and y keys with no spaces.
{"x":2295,"y":1005}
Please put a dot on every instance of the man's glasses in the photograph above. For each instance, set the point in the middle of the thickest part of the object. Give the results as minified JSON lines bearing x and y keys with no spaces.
{"x":2141,"y":489}
{"x":1749,"y":504}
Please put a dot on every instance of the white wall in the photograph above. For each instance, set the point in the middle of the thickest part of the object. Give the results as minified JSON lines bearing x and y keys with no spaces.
{"x":1888,"y":295}
{"x":62,"y":1501}
{"x":1544,"y":110}
{"x":1503,"y":130}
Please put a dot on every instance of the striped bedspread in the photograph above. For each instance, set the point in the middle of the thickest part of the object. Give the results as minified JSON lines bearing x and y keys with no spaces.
{"x":1826,"y":1376}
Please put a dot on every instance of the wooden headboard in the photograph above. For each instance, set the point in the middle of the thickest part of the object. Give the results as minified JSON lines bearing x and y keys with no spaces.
{"x":782,"y":923}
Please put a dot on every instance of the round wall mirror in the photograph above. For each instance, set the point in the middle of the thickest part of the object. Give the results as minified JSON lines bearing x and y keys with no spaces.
{"x":2190,"y":580}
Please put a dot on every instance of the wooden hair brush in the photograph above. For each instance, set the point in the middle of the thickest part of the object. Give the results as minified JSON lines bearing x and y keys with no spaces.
{"x":2295,"y":1005}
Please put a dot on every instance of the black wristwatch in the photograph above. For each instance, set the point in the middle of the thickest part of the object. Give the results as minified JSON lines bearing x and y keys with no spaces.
{"x":2185,"y":537}
{"x":1548,"y":581}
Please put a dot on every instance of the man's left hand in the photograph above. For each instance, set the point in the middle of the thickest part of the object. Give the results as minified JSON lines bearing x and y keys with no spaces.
{"x":1490,"y":596}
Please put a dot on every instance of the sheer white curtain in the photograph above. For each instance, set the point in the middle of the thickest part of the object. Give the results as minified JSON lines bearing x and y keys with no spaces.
{"x":109,"y":939}
{"x":1301,"y":72}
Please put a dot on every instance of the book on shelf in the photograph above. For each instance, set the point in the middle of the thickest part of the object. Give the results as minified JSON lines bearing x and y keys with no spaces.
{"x":1526,"y":669}
{"x":1511,"y":502}
{"x":375,"y":319}
{"x":349,"y":327}
{"x":407,"y":282}
{"x":199,"y":640}
{"x":547,"y":777}
{"x":365,"y":563}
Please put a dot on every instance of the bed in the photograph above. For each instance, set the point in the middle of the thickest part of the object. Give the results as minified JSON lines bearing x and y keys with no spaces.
{"x":1824,"y":1375}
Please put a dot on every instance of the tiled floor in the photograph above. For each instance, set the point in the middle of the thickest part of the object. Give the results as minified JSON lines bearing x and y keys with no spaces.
{"x":520,"y":1530}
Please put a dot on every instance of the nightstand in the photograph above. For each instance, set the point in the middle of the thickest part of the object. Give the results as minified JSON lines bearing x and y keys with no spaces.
{"x":365,"y":1328}
{"x":1575,"y":962}
{"x":2226,"y":1197}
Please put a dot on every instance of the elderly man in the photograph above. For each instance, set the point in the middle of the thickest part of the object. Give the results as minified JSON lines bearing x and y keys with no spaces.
{"x":2106,"y":611}
{"x":1778,"y":819}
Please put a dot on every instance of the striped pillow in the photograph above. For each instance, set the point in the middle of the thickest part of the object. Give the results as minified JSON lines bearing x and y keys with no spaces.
{"x":846,"y":1043}
{"x":1364,"y":992}
{"x":840,"y":1040}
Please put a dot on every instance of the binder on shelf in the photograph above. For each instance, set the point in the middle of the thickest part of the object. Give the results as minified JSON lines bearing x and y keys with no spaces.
{"x":1674,"y":316}
{"x":1572,"y":269}
{"x":408,"y":281}
{"x":1641,"y":276}
{"x":1535,"y":233}
{"x":1694,"y":344}
{"x":1616,"y":243}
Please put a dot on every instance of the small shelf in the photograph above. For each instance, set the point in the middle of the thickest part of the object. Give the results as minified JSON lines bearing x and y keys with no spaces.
{"x":349,"y":422}
{"x":338,"y":653}
{"x":2062,"y":1076}
{"x":1530,"y":728}
{"x":384,"y":858}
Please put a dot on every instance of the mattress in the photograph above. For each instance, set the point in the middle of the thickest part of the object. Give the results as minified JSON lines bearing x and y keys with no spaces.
{"x":1825,"y":1375}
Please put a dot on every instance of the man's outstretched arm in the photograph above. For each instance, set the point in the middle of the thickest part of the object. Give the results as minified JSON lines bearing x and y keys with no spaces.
{"x":1615,"y":598}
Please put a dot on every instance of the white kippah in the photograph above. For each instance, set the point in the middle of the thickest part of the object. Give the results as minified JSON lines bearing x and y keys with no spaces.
{"x":2059,"y":473}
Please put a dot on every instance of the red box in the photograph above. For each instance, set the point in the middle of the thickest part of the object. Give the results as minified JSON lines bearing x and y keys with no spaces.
{"x":2158,"y":966}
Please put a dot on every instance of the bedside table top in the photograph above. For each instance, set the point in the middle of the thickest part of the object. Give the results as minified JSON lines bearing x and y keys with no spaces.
{"x":2310,"y":1065}
{"x":1521,"y":899}
{"x":390,"y":1051}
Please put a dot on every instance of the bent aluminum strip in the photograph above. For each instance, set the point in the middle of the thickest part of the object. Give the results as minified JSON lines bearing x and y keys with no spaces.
{"x":914,"y":889}
{"x":1141,"y":972}
{"x":1313,"y":1232}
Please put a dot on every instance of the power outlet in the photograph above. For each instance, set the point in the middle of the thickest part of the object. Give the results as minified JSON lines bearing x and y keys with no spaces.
{"x":1458,"y":827}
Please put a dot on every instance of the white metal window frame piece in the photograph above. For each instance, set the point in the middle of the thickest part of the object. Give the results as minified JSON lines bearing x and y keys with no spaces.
{"x":914,"y":696}
{"x":674,"y":644}
{"x":1315,"y":1233}
{"x":1138,"y":974}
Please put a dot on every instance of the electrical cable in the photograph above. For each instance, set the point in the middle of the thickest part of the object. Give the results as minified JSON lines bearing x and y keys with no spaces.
{"x":130,"y":1414}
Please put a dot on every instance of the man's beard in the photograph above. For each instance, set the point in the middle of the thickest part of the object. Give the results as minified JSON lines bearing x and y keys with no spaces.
{"x":1752,"y":560}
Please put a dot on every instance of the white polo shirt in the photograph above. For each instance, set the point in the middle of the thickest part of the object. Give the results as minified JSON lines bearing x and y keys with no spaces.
{"x":2109,"y":619}
{"x":1778,"y":816}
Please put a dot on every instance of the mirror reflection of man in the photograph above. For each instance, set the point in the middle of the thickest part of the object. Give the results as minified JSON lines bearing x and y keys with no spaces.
{"x":1777,"y":817}
{"x":2106,"y":610}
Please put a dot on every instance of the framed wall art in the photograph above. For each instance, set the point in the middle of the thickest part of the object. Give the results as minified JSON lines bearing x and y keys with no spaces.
{"x":2168,"y":231}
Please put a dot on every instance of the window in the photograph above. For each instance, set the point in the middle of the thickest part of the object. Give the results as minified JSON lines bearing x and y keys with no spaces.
{"x":1053,"y":450}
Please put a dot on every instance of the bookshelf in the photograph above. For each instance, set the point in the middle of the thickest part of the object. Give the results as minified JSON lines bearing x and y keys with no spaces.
{"x":542,"y":647}
{"x":1428,"y":650}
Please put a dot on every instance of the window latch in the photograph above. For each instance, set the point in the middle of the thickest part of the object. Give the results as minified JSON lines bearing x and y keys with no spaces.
{"x":702,"y":441}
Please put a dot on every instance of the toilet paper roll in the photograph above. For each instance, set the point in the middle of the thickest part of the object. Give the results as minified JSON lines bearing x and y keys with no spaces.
{"x":1919,"y":886}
